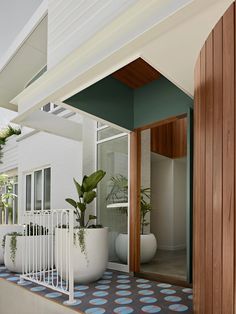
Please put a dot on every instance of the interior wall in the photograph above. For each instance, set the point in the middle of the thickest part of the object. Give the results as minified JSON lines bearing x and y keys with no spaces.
{"x":168,"y":216}
{"x":162,"y":201}
{"x":180,"y":202}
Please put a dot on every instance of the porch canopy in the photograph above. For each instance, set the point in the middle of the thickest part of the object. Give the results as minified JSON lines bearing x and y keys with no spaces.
{"x":157,"y":31}
{"x":112,"y":101}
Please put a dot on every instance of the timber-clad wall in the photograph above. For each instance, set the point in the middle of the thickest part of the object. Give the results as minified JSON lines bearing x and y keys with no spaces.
{"x":214,"y":171}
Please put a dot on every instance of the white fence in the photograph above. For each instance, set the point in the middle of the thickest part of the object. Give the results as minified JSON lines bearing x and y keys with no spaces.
{"x":44,"y":262}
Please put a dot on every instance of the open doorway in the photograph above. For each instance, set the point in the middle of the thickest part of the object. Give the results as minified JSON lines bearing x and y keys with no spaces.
{"x":164,"y":218}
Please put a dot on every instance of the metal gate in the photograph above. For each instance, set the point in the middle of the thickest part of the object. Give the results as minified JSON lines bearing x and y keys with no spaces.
{"x":47,"y":250}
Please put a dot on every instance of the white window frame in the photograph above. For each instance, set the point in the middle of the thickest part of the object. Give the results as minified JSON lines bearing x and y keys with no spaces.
{"x":116,"y":265}
{"x":32,"y":173}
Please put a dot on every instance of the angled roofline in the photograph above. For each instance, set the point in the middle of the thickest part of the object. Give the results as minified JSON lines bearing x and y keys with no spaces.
{"x":23,"y":35}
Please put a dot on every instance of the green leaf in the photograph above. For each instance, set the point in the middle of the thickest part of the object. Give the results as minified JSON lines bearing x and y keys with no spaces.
{"x":91,"y":217}
{"x":78,"y":188}
{"x":71,"y":202}
{"x":91,"y":182}
{"x":81,"y":206}
{"x":89,"y":196}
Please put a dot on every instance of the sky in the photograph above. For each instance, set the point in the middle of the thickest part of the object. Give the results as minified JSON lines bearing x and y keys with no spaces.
{"x":14,"y":14}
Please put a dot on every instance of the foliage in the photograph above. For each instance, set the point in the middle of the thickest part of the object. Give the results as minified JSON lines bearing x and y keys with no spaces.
{"x":35,"y":230}
{"x":6,"y":192}
{"x":119,"y":189}
{"x":13,"y":244}
{"x":119,"y":193}
{"x":30,"y":230}
{"x":5,"y":133}
{"x":86,"y":194}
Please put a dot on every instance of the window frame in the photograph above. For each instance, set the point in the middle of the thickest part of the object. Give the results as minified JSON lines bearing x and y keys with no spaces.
{"x":32,"y":188}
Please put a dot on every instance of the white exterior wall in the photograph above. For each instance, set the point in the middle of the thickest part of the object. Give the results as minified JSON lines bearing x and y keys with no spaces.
{"x":73,"y":22}
{"x":62,"y":155}
{"x":65,"y":157}
{"x":10,"y":156}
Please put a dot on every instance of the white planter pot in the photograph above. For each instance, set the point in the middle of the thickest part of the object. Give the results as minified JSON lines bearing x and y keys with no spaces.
{"x":5,"y":229}
{"x":36,"y":253}
{"x":89,"y":266}
{"x":148,"y":247}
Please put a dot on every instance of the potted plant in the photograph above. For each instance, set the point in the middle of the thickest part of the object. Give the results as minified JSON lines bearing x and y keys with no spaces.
{"x":90,"y":249}
{"x":6,"y":198}
{"x":148,"y":243}
{"x":34,"y":242}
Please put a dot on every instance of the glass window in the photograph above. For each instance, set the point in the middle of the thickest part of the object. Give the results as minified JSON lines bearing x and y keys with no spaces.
{"x":38,"y":190}
{"x":113,"y":195}
{"x":38,"y":182}
{"x":107,"y":132}
{"x":47,"y":107}
{"x":47,"y":188}
{"x":28,"y":192}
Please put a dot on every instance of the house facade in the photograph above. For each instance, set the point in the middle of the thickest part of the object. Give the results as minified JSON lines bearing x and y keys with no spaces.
{"x":141,"y":90}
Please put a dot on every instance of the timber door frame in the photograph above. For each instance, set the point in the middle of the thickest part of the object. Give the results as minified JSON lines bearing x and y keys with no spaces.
{"x":135,"y":186}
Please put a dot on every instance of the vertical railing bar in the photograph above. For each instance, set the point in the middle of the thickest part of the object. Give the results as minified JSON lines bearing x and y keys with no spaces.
{"x":40,"y":246}
{"x":71,"y":265}
{"x":66,"y":258}
{"x":44,"y":244}
{"x":23,"y":251}
{"x":33,"y":224}
{"x":48,"y":243}
{"x":27,"y":244}
{"x":56,"y":249}
{"x":61,"y":248}
{"x":36,"y":246}
{"x":52,"y":264}
{"x":35,"y":270}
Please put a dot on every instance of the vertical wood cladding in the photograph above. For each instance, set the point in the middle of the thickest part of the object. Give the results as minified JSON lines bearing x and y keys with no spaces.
{"x":170,"y":139}
{"x":214,"y":171}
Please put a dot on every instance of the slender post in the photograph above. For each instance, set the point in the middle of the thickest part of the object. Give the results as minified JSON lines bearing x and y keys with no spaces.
{"x":70,"y":257}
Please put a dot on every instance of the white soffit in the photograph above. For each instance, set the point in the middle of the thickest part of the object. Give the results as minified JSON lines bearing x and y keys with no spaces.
{"x":53,"y":124}
{"x":175,"y":53}
{"x":26,"y":57}
{"x":128,"y":37}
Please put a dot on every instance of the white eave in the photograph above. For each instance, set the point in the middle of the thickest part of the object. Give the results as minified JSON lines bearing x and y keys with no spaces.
{"x":162,"y":32}
{"x":26,"y":55}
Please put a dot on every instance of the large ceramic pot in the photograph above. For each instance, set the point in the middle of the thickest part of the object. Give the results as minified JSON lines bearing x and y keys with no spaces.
{"x":148,"y":247}
{"x":5,"y":229}
{"x":90,"y":261}
{"x":35,"y":250}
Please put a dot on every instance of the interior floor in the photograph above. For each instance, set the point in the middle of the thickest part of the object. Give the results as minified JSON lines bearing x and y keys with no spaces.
{"x":170,"y":263}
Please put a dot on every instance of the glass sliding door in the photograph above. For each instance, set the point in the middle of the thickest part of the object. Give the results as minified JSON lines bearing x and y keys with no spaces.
{"x":113,"y":193}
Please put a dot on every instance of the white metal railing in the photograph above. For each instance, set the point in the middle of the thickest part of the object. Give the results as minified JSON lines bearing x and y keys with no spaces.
{"x":47,"y":250}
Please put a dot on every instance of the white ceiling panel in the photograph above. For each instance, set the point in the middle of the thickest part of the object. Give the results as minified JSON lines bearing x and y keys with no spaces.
{"x":30,"y":58}
{"x":14,"y":14}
